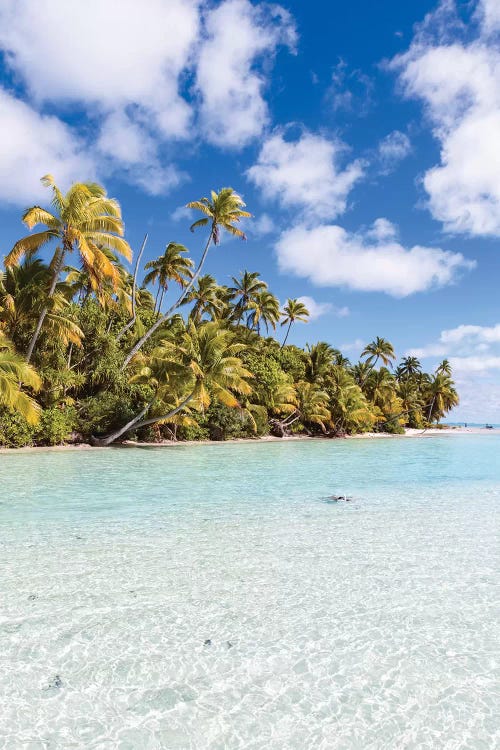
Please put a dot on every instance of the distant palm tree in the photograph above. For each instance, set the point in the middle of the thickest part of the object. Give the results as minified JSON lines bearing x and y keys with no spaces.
{"x":205,"y":295}
{"x":264,"y":308}
{"x":292,"y":311}
{"x":245,"y":290}
{"x":360,"y":372}
{"x":444,"y":368}
{"x":14,"y":373}
{"x":85,"y":220}
{"x":379,"y":349}
{"x":223,"y":210}
{"x":171,"y":266}
{"x":410,"y":366}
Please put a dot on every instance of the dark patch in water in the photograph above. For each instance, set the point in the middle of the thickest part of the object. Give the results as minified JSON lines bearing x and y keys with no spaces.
{"x":208,"y":642}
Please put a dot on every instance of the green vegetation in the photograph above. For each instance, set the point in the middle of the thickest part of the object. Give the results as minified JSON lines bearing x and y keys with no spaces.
{"x":89,"y":353}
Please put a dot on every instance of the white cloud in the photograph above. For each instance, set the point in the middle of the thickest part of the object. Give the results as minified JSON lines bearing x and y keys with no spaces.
{"x":392,"y":149}
{"x":459,"y":84}
{"x":317,"y":309}
{"x":182,"y":213}
{"x":463,"y":340}
{"x":465,"y":365}
{"x":306,"y":174}
{"x":328,"y":255}
{"x":121,"y":72}
{"x":261,"y":226}
{"x":34,"y":145}
{"x":108,"y":53}
{"x":353,"y":346}
{"x":490,"y":12}
{"x":238,"y":34}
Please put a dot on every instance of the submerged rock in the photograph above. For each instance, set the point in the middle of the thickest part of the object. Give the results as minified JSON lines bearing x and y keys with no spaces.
{"x":208,"y":642}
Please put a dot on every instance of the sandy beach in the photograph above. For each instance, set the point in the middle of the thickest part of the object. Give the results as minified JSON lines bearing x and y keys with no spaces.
{"x":409,"y":433}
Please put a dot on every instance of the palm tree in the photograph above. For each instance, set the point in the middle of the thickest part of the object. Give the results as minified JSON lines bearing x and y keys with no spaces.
{"x":379,"y":388}
{"x":203,"y":363}
{"x":360,"y":372}
{"x":245,"y":290}
{"x":292,"y":311}
{"x":444,"y":368}
{"x":223,"y":210}
{"x":379,"y":349}
{"x":320,"y":361}
{"x":441,"y":396}
{"x":410,"y":366}
{"x":264,"y":308}
{"x":312,"y":405}
{"x":14,"y":373}
{"x":171,"y":266}
{"x":85,"y":220}
{"x":350,"y":409}
{"x":205,"y":295}
{"x":23,"y":296}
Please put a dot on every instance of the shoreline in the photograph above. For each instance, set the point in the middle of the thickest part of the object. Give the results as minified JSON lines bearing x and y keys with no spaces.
{"x":409,"y":433}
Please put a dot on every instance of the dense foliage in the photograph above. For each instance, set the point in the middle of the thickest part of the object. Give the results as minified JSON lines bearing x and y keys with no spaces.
{"x":89,"y":353}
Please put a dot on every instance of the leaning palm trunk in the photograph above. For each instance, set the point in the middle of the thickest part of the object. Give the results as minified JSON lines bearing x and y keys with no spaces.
{"x":134,"y":286}
{"x":57,"y":270}
{"x":287,"y":332}
{"x":138,"y":422}
{"x":171,"y":309}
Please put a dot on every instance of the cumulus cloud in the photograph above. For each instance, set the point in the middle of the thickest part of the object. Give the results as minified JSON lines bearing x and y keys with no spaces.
{"x":34,"y":145}
{"x":465,"y":341}
{"x":55,"y":46}
{"x":317,"y":309}
{"x":123,"y":77}
{"x":370,"y":261}
{"x":490,"y":12}
{"x":392,"y":149}
{"x":459,"y":83}
{"x":233,"y":110}
{"x":261,"y":226}
{"x":305,"y":173}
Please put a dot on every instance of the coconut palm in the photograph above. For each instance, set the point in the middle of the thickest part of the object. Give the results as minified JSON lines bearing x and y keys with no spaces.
{"x":171,"y":266}
{"x":320,"y":360}
{"x":85,"y":221}
{"x":379,"y":388}
{"x":350,"y":409}
{"x":203,"y":362}
{"x":312,"y":405}
{"x":264,"y":309}
{"x":360,"y":372}
{"x":444,"y":368}
{"x":14,"y":373}
{"x":205,"y":295}
{"x":441,"y":396}
{"x":245,"y":290}
{"x":23,"y":295}
{"x":292,"y":311}
{"x":222,"y":211}
{"x":379,"y":349}
{"x":409,"y":367}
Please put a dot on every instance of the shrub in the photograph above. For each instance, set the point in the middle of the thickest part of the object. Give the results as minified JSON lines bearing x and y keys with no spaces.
{"x":15,"y":432}
{"x":56,"y":425}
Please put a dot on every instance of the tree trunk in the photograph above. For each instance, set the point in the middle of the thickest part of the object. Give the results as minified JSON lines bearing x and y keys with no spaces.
{"x":161,"y":300}
{"x":132,"y":320}
{"x":169,"y":312}
{"x":57,"y":270}
{"x":156,"y":298}
{"x":137,"y":423}
{"x":287,"y":332}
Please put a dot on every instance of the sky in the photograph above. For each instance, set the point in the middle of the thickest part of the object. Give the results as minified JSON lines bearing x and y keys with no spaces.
{"x":364,"y":138}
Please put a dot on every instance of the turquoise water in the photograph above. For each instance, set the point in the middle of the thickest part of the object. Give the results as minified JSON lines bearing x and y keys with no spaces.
{"x":206,"y":597}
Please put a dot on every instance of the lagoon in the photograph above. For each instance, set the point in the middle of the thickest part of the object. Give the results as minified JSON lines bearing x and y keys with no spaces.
{"x":208,"y":597}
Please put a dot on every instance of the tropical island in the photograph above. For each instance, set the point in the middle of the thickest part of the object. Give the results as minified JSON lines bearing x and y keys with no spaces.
{"x":90,"y":352}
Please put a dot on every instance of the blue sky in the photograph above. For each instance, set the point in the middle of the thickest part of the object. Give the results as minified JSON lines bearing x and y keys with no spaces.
{"x":364,"y":137}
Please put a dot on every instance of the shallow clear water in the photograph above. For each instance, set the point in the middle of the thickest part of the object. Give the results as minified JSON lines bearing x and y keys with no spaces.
{"x":364,"y":625}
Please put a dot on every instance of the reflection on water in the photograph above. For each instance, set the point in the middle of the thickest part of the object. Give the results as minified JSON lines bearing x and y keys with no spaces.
{"x":208,"y":597}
